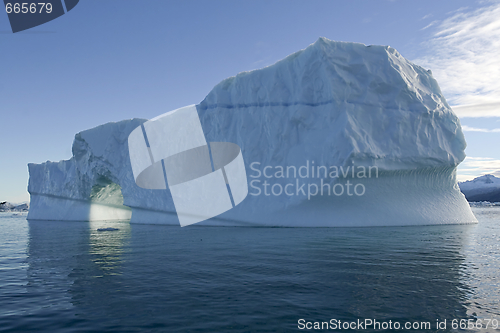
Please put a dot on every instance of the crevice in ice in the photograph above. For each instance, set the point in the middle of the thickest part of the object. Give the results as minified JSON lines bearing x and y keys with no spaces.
{"x":260,"y":105}
{"x":203,"y":107}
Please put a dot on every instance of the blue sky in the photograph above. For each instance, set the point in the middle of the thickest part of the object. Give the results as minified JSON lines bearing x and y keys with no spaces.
{"x":118,"y":59}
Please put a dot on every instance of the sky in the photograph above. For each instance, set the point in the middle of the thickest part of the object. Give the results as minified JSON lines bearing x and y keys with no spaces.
{"x":119,"y":59}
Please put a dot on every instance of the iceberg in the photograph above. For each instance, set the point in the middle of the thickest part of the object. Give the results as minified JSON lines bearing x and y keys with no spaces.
{"x":337,"y":134}
{"x":11,"y":207}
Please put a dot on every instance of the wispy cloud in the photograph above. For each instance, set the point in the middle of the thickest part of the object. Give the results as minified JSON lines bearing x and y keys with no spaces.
{"x":473,"y":167}
{"x":466,"y":128}
{"x":463,"y":55}
{"x":478,"y":110}
{"x":429,"y":25}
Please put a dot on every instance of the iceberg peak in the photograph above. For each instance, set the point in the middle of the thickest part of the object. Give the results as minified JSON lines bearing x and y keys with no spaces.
{"x":387,"y":109}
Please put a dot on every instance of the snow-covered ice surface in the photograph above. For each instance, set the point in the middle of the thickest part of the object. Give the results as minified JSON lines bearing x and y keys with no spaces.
{"x":484,"y":184}
{"x":484,"y":188}
{"x":331,"y":104}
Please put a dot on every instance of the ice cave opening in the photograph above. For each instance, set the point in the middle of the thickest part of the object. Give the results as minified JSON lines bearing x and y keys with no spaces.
{"x":106,"y":201}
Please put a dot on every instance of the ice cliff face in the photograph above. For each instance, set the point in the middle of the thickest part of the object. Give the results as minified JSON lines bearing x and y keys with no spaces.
{"x":331,"y":105}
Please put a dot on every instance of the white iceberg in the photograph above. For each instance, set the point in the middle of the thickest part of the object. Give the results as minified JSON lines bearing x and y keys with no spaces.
{"x":333,"y":106}
{"x":13,"y":207}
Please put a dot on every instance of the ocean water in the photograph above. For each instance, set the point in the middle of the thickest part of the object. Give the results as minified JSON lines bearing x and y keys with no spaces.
{"x":69,"y":277}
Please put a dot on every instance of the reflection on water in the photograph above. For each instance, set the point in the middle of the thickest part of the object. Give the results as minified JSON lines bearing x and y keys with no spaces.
{"x":106,"y":247}
{"x":209,"y":279}
{"x":59,"y":254}
{"x":481,"y":270}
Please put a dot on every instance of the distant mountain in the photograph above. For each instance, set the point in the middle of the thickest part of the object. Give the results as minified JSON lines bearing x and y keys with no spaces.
{"x":484,"y":188}
{"x":9,"y":207}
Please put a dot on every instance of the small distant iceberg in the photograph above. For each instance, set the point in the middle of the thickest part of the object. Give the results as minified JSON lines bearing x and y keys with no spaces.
{"x":10,"y":207}
{"x":337,"y":134}
{"x":108,"y":229}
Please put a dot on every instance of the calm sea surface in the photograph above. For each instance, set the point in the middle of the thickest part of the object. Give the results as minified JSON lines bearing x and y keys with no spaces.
{"x":69,"y":277}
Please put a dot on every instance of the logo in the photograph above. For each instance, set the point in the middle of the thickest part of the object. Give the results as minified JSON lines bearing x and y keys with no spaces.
{"x":205,"y":180}
{"x":28,"y":14}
